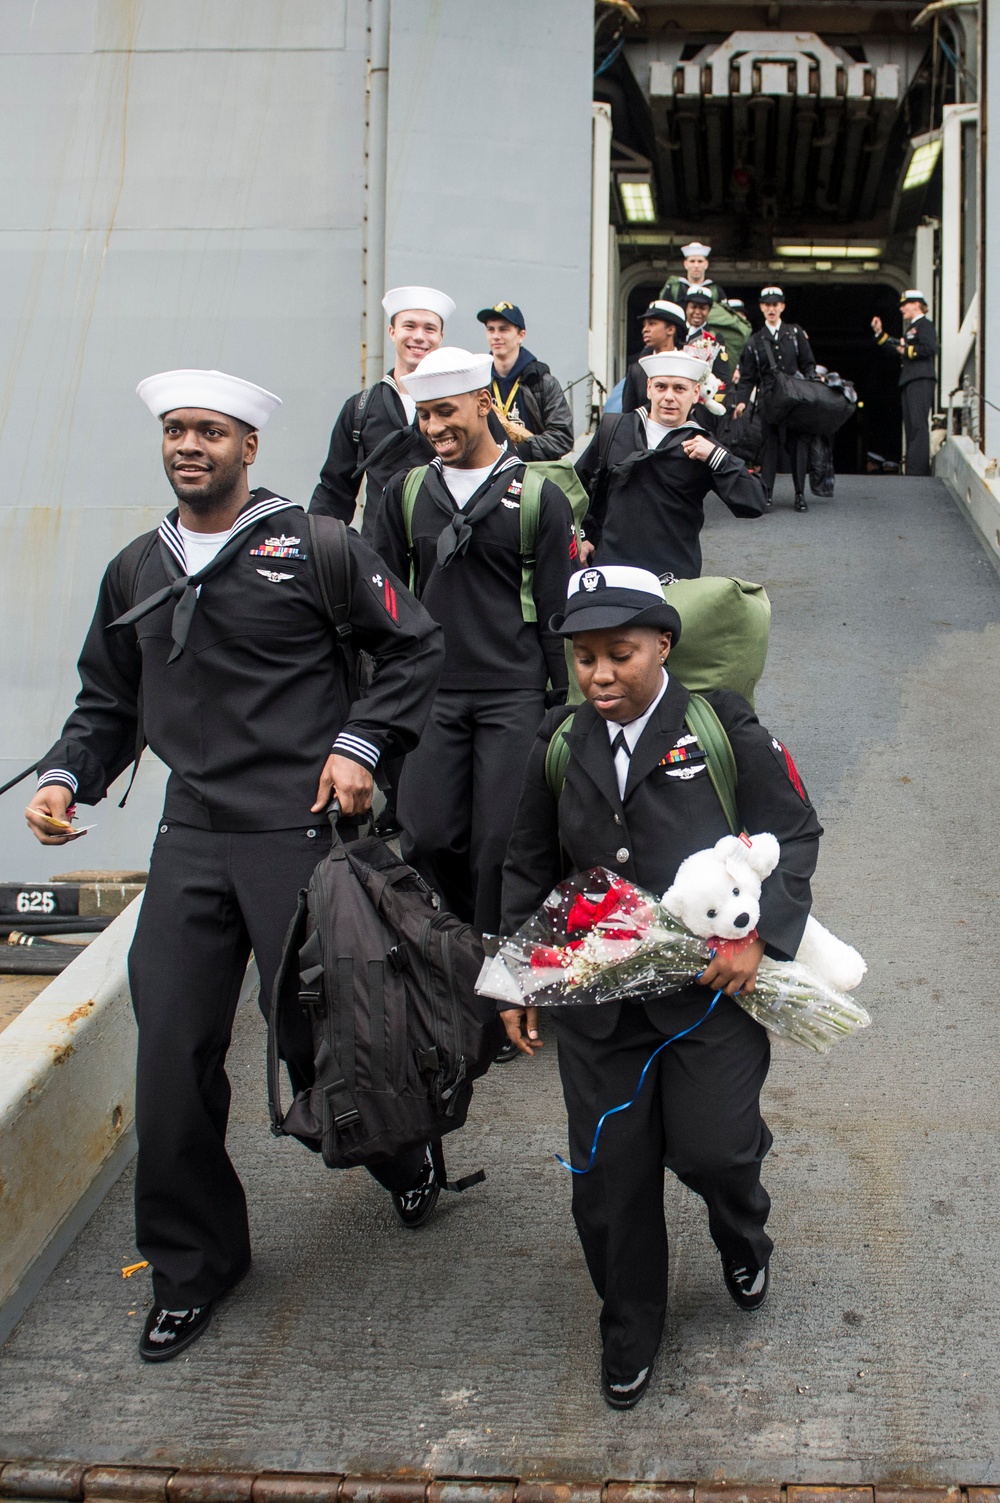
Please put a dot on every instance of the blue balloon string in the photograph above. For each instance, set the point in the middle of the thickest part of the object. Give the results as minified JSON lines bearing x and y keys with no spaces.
{"x":626,"y":1104}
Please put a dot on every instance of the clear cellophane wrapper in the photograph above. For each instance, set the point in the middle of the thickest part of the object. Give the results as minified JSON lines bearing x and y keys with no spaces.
{"x":598,"y":939}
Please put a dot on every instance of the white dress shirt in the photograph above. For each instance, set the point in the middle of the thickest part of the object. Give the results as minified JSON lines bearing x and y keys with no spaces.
{"x":633,"y":730}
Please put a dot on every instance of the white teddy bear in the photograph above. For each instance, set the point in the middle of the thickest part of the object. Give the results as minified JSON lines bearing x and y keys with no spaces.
{"x":716,"y":894}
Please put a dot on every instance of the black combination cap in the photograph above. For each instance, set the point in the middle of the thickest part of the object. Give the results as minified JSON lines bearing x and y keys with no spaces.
{"x":615,"y":595}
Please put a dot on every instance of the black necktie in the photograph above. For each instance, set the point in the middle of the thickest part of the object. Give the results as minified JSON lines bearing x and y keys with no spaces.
{"x":620,"y":744}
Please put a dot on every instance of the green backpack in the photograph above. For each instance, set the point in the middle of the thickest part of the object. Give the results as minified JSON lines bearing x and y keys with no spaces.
{"x":730,"y":329}
{"x":723,"y":645}
{"x":702,"y":722}
{"x":536,"y":471}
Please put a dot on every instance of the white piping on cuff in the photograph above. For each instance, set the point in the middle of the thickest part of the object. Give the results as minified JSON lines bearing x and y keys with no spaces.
{"x":357,"y":749}
{"x":58,"y":775}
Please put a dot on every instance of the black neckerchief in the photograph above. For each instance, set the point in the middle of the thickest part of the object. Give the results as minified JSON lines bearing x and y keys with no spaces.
{"x":184,"y":587}
{"x":454,"y":539}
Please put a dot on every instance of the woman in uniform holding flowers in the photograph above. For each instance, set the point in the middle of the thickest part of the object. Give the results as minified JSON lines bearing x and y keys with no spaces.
{"x":638,"y":800}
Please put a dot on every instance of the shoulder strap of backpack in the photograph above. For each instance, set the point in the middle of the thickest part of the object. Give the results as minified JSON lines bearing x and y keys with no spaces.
{"x":531,"y":510}
{"x":411,"y":489}
{"x":131,"y":566}
{"x":702,"y":721}
{"x":332,"y":556}
{"x":610,"y":422}
{"x":557,"y":757}
{"x":408,"y":503}
{"x":360,"y":403}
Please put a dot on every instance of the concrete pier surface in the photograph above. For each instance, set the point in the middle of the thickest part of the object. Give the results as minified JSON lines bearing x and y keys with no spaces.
{"x":470,"y":1348}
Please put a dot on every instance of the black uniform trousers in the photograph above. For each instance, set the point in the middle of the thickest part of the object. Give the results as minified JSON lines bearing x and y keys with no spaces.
{"x":796,"y":446}
{"x":918,"y":399}
{"x":698,"y":1113}
{"x":459,"y":793}
{"x":210,"y":897}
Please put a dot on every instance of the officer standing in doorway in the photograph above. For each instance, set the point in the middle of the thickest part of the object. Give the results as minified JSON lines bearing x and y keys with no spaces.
{"x":455,"y":528}
{"x":212,"y":641}
{"x":525,"y":392}
{"x":376,"y":426}
{"x":917,"y":350}
{"x":664,"y":327}
{"x":783,"y":347}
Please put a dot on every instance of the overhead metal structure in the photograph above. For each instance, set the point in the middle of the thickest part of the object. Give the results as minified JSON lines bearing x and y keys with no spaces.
{"x":798,"y":124}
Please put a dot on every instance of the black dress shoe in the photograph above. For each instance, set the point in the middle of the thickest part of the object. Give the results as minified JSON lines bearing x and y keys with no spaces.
{"x":170,"y":1332}
{"x":414,"y":1206}
{"x":387,"y":827}
{"x":747,"y":1283}
{"x":624,"y":1393}
{"x":800,"y":502}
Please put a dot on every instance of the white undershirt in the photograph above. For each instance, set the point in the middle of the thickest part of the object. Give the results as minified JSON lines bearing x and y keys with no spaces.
{"x":462,"y":484}
{"x":633,"y":730}
{"x":655,"y":433}
{"x":200,"y":547}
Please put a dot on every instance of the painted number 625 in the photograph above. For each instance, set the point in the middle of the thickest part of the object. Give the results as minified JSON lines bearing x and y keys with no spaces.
{"x":35,"y":902}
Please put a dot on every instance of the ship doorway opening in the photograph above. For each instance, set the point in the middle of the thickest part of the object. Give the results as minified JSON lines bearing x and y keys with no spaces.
{"x":837,"y":318}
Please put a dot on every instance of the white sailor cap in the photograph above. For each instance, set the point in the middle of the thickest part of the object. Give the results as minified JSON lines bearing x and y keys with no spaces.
{"x":212,"y":390}
{"x":913,"y":295}
{"x":696,"y":248}
{"x":771,"y":295}
{"x":448,"y":372}
{"x":673,"y":363}
{"x":398,"y":299}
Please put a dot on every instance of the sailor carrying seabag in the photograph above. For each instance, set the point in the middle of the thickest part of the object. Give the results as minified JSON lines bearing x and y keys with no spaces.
{"x":777,"y":346}
{"x":458,"y":528}
{"x":219,"y":638}
{"x":637,"y":798}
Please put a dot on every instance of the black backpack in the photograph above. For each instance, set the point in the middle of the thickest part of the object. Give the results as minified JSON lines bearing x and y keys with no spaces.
{"x":387,"y":981}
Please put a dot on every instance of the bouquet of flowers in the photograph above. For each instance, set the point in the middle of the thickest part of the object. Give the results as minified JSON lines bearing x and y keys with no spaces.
{"x":598,"y":938}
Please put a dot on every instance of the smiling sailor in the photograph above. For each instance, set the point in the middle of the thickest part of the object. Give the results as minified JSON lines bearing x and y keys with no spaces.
{"x":376,"y":427}
{"x":211,"y":638}
{"x":459,"y":525}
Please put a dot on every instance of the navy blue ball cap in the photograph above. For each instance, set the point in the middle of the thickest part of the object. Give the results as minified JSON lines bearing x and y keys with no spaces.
{"x":615,"y":595}
{"x":510,"y":311}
